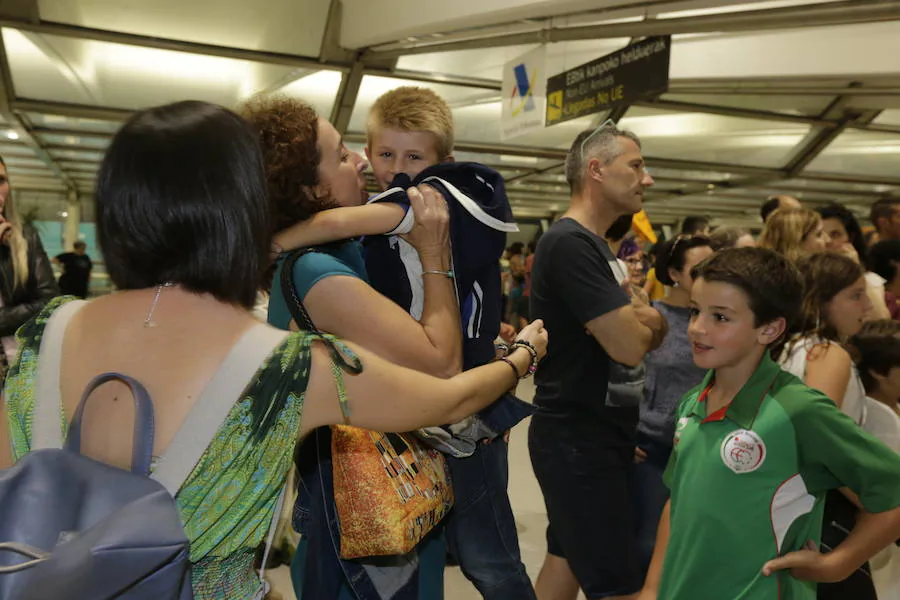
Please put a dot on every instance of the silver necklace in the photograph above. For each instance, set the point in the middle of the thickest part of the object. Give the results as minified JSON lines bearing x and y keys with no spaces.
{"x":148,"y":322}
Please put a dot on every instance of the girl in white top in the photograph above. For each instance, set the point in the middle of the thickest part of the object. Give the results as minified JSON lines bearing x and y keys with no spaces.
{"x":834,"y":308}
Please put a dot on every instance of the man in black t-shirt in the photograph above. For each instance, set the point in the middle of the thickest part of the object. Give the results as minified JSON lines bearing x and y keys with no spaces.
{"x":76,"y":274}
{"x":582,"y":446}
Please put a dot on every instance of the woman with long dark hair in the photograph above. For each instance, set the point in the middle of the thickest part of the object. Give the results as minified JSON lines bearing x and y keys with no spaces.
{"x":844,"y":235}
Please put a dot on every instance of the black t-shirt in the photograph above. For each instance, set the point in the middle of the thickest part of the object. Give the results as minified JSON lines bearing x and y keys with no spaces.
{"x":572,"y":283}
{"x":76,"y":273}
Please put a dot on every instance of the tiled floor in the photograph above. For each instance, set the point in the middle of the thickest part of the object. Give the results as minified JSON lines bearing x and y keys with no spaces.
{"x":528,"y":506}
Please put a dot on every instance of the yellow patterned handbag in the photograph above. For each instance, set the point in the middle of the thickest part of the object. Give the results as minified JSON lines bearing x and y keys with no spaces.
{"x":390,"y":490}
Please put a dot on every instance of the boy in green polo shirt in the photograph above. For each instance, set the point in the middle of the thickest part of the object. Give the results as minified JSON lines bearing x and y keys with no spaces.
{"x":756,"y":450}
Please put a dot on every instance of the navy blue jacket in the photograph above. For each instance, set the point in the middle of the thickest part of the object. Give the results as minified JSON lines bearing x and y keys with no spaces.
{"x":480,"y":218}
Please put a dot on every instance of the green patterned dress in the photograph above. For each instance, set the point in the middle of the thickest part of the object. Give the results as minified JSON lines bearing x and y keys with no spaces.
{"x":227,"y":502}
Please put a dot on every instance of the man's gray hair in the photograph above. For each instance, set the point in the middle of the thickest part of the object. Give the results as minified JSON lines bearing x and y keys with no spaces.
{"x":603,"y":144}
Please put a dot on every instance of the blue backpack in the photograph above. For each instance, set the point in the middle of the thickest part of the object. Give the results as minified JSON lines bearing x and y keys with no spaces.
{"x":72,"y":528}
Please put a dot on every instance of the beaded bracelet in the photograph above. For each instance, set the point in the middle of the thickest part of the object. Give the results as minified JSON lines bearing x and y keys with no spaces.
{"x":512,"y":366}
{"x":447,"y":274}
{"x":532,"y":368}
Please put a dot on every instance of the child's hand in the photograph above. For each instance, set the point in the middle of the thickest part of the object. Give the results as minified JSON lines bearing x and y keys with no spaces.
{"x":431,"y":233}
{"x":808,"y":565}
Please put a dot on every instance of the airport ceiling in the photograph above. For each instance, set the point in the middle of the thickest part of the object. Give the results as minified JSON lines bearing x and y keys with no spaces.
{"x":797,"y":97}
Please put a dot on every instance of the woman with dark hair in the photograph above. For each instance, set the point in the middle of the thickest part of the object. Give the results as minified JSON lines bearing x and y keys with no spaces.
{"x":670,"y":374}
{"x":842,"y":231}
{"x":27,"y":279}
{"x":844,"y":235}
{"x":184,"y":223}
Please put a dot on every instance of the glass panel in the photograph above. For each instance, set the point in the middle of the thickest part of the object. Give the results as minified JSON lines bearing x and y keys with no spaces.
{"x":83,"y":141}
{"x":861,"y":153}
{"x":813,"y":184}
{"x":21,"y":161}
{"x":793,"y":105}
{"x":16,"y":171}
{"x":84,"y":155}
{"x":676,"y":174}
{"x":67,"y":165}
{"x":12,"y":149}
{"x":61,"y":122}
{"x":714,"y":138}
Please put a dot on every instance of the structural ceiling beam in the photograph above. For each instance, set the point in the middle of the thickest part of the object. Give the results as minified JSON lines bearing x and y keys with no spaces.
{"x":817,"y":15}
{"x":146,"y":41}
{"x":346,"y":98}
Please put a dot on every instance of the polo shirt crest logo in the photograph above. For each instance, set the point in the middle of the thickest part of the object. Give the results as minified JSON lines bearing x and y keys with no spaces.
{"x":743,"y":451}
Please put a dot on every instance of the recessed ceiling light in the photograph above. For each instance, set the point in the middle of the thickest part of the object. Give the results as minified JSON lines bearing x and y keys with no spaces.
{"x":12,"y":135}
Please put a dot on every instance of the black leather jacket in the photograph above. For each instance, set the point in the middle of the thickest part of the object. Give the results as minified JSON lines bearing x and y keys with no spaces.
{"x":21,"y":304}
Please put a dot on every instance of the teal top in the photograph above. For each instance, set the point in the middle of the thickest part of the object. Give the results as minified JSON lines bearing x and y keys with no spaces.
{"x":311,"y":268}
{"x":748,"y":484}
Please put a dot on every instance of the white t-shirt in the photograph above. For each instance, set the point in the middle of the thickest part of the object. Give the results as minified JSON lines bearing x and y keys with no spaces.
{"x":794,"y":362}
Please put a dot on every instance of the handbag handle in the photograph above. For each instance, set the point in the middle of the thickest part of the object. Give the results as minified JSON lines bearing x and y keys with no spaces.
{"x":37,"y":557}
{"x":301,"y":316}
{"x":144,"y":422}
{"x":295,"y":305}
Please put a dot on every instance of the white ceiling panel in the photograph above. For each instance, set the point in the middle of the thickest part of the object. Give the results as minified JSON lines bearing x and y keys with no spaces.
{"x":289,"y":26}
{"x":318,"y":89}
{"x":861,"y":153}
{"x":714,"y":138}
{"x":76,"y":155}
{"x":78,"y":141}
{"x":52,"y":121}
{"x":889,"y":117}
{"x":789,"y":104}
{"x":100,"y":73}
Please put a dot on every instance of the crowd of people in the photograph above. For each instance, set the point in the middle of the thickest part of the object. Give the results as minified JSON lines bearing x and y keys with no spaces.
{"x":705,"y":409}
{"x":643,"y":490}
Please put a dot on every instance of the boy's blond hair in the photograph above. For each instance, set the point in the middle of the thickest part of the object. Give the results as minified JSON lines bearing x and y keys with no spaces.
{"x":411,"y":109}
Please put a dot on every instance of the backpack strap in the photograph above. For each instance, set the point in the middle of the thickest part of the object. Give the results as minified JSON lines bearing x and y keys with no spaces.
{"x":46,"y":430}
{"x":210,"y":410}
{"x":144,"y":421}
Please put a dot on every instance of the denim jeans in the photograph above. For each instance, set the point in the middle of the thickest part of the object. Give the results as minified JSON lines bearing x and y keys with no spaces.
{"x":481,"y":530}
{"x":650,"y":495}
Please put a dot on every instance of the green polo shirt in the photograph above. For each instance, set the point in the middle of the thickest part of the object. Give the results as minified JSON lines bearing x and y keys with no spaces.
{"x":748,"y":484}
